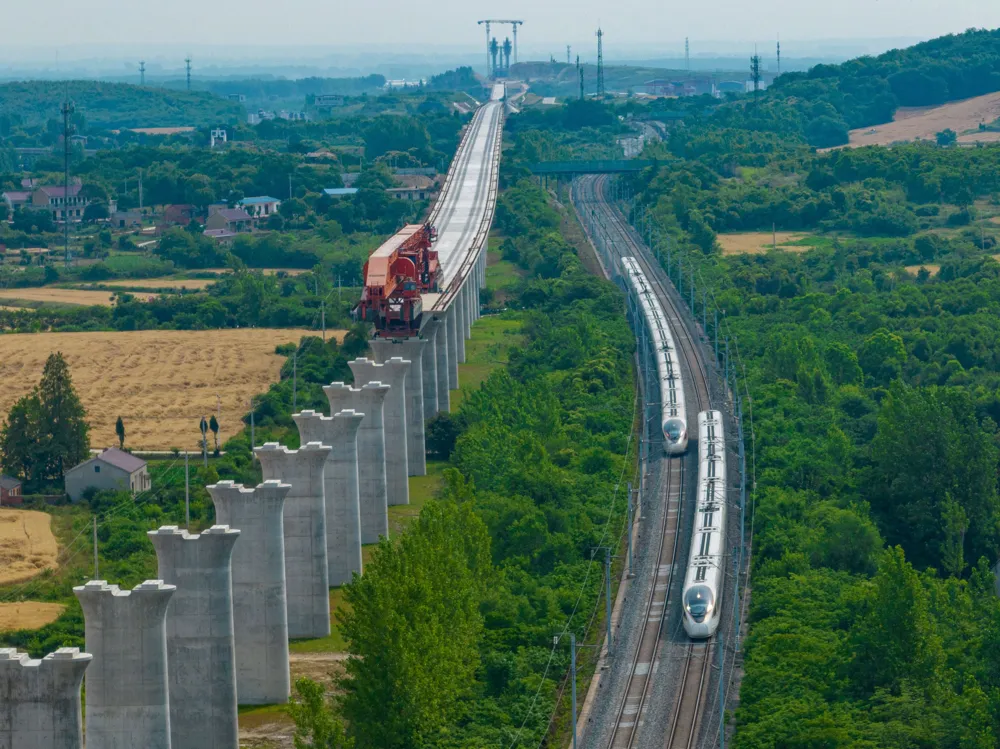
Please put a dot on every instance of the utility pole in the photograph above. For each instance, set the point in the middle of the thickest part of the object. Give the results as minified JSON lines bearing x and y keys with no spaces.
{"x":755,"y":77}
{"x":187,"y":64}
{"x":142,"y":72}
{"x":600,"y":63}
{"x":572,"y":676}
{"x":187,"y":493}
{"x":687,"y":54}
{"x":97,"y":569}
{"x":67,"y":110}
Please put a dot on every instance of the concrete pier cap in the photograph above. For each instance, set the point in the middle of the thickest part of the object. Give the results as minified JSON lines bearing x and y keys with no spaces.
{"x":341,"y":492}
{"x":392,"y":373}
{"x":306,"y":571}
{"x":260,"y":617}
{"x":412,"y":350}
{"x":201,"y":651}
{"x":127,"y":689}
{"x":40,"y":708}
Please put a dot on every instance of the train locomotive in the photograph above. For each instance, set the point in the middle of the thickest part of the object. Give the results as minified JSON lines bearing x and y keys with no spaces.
{"x":673,"y":414}
{"x":702,"y":595}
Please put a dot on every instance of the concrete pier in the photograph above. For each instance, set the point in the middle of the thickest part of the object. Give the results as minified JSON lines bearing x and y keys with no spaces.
{"x":127,"y":690}
{"x":412,"y":350}
{"x":442,"y":366}
{"x":428,"y":366}
{"x":201,"y":650}
{"x":341,"y":481}
{"x":372,"y":474}
{"x":40,"y":699}
{"x":454,"y":332}
{"x":461,"y":308}
{"x":307,"y":574}
{"x":392,"y":373}
{"x":260,"y":619}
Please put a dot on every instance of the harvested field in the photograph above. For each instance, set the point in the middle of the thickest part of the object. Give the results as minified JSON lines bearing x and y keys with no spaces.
{"x":163,"y":283}
{"x":932,"y":268}
{"x":63,"y":296}
{"x":757,"y":242}
{"x":160,"y":382}
{"x":924,"y":123}
{"x":28,"y":615}
{"x":27,"y":546}
{"x":265,"y":271}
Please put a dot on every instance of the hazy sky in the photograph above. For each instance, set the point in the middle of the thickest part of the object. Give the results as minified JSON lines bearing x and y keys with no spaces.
{"x":421,"y":26}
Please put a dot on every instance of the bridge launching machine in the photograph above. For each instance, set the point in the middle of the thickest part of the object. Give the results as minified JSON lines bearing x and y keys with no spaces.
{"x":396,"y":275}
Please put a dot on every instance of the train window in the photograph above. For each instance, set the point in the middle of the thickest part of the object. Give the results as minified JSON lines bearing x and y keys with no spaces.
{"x":699,"y":601}
{"x":674,"y":429}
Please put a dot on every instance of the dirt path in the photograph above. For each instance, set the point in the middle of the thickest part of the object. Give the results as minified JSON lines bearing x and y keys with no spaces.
{"x":924,"y":123}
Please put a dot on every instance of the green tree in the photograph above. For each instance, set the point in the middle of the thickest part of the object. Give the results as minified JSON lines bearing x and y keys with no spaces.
{"x":413,"y":627}
{"x":213,"y":424}
{"x":120,"y":431}
{"x":316,"y":726}
{"x":18,"y":439}
{"x":947,"y":137}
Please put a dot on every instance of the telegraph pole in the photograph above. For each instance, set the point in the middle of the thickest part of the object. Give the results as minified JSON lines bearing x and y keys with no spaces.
{"x":187,"y":64}
{"x":600,"y":63}
{"x":142,"y":72}
{"x":67,"y":110}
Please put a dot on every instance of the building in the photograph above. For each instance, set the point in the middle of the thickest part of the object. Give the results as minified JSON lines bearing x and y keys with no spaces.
{"x":260,"y":207}
{"x":340,"y":192}
{"x":10,"y":491}
{"x":414,"y":187}
{"x":329,"y":101}
{"x":113,"y":470}
{"x":231,"y":219}
{"x":127,"y":219}
{"x":236,"y":97}
{"x":17,"y":199}
{"x":222,"y":236}
{"x":179,"y":215}
{"x":61,"y":202}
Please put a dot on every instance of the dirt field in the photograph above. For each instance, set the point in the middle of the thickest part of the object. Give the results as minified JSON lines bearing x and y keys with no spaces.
{"x":64,"y":296}
{"x":757,"y":242}
{"x":159,"y":382}
{"x":266,"y":271}
{"x":913,"y":123}
{"x":931,"y":268}
{"x":163,"y":283}
{"x":28,"y":615}
{"x":27,"y":545}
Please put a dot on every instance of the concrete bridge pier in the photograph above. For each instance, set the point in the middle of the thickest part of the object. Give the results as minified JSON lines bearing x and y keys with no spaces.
{"x":260,"y":604}
{"x":41,"y":699}
{"x":307,"y":573}
{"x":428,"y":365}
{"x":392,"y":373}
{"x":201,"y":650}
{"x":127,"y":689}
{"x":454,"y":333}
{"x":442,"y":343}
{"x":412,"y":350}
{"x":345,"y":465}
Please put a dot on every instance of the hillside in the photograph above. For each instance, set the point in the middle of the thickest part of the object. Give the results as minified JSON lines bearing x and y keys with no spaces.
{"x":115,"y":105}
{"x":923,"y":123}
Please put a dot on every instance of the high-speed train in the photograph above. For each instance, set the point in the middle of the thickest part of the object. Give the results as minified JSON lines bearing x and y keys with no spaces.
{"x":702,"y":596}
{"x":673,"y":415}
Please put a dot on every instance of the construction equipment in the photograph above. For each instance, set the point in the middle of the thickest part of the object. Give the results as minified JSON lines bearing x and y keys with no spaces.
{"x":396,"y":275}
{"x":491,"y":71}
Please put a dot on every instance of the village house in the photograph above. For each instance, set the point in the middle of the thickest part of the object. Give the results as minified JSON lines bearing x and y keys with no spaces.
{"x":230,"y":219}
{"x":10,"y":491}
{"x":262,"y":206}
{"x":61,"y":202}
{"x":113,"y":469}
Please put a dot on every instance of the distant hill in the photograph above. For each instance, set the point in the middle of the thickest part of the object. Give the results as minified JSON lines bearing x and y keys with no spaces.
{"x":115,"y":105}
{"x":868,"y":90}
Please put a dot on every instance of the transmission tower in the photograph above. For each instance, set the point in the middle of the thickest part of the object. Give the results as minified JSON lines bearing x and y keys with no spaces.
{"x":142,"y":72}
{"x":567,"y":54}
{"x":687,"y":54}
{"x":600,"y":64}
{"x":67,"y":110}
{"x":755,"y":77}
{"x":187,"y":64}
{"x":779,"y":55}
{"x":583,"y":93}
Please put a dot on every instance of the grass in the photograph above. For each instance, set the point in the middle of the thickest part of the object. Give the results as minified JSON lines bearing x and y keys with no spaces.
{"x":488,"y":349}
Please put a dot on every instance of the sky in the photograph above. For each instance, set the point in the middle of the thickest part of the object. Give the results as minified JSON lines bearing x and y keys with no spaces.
{"x":401,"y":26}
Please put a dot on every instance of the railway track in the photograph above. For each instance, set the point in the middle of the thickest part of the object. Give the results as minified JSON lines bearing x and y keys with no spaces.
{"x":684,"y":720}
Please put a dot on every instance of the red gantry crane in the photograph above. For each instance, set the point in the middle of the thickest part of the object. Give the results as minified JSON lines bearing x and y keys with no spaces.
{"x":396,"y":275}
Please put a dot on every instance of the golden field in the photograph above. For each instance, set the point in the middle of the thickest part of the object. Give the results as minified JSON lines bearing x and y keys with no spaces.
{"x":64,"y":296}
{"x":163,"y":283}
{"x":757,"y":242}
{"x":28,"y":615}
{"x":161,"y":382}
{"x":27,"y":545}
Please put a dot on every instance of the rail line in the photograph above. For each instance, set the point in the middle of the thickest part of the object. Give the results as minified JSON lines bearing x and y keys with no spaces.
{"x":685,"y":717}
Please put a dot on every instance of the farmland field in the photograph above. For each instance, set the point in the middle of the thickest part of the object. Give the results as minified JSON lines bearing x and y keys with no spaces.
{"x":161,"y":382}
{"x":756,"y":242}
{"x":162,"y":283}
{"x":28,"y":615}
{"x":27,"y":546}
{"x":62,"y":296}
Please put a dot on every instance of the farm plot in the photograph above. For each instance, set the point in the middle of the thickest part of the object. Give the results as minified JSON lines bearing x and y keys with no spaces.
{"x":27,"y":546}
{"x":54,"y":295}
{"x":757,"y":242}
{"x":161,"y":382}
{"x":163,"y":283}
{"x":28,"y":615}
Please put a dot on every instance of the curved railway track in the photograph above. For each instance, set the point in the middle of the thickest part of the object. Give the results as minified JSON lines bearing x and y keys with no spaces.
{"x":684,"y":719}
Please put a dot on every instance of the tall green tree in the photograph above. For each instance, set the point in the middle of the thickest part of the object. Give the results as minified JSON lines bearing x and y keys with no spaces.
{"x":18,"y":439}
{"x":413,"y":628}
{"x":120,"y":432}
{"x":64,"y":435}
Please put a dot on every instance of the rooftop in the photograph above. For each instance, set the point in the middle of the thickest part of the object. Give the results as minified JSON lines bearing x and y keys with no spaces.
{"x":233,"y":214}
{"x":259,"y":200}
{"x":60,"y":192}
{"x":9,"y":482}
{"x":121,"y":459}
{"x":338,"y":191}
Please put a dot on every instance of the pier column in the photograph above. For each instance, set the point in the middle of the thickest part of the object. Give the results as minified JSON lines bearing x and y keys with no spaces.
{"x":40,"y":708}
{"x":307,"y":575}
{"x":201,"y":646}
{"x":127,"y":690}
{"x":461,"y":307}
{"x":428,"y":365}
{"x":392,"y":373}
{"x":443,"y":367}
{"x":454,"y":333}
{"x":411,"y":350}
{"x":341,"y":492}
{"x":260,"y":605}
